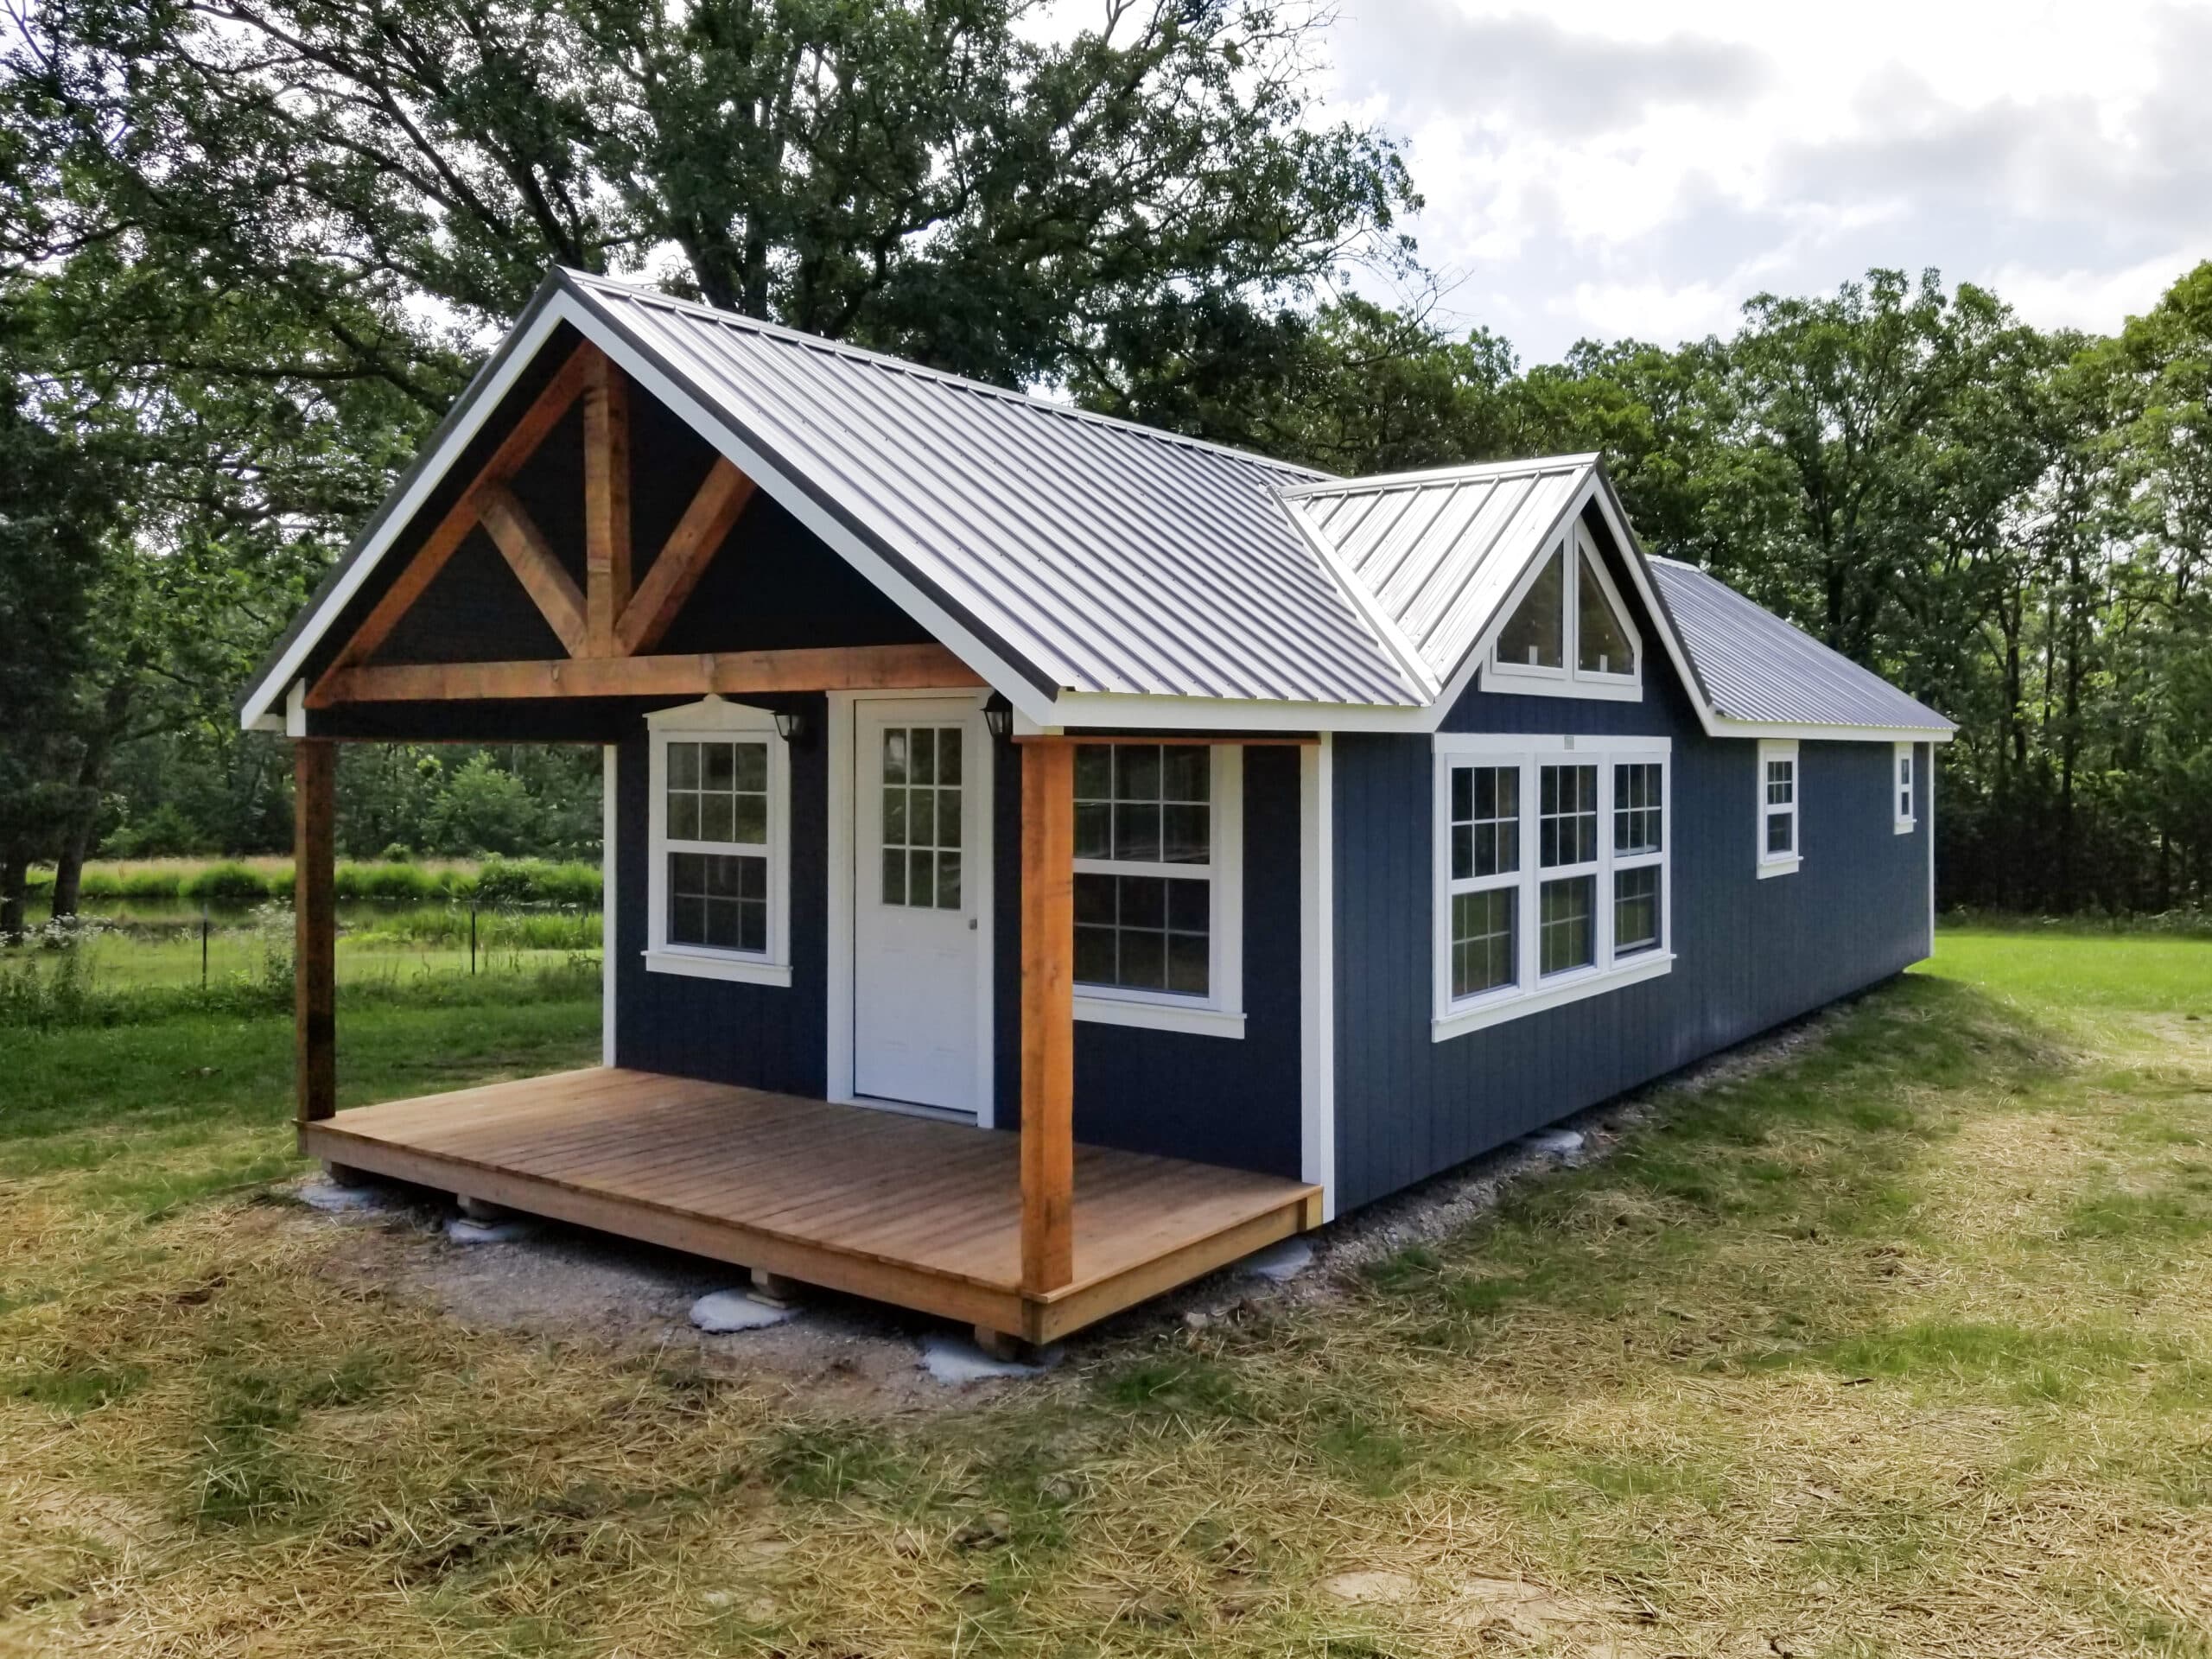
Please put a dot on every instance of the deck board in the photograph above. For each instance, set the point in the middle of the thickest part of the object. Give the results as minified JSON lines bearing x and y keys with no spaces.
{"x":907,"y":1209}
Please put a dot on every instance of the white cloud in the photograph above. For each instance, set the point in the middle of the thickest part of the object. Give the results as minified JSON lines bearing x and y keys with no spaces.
{"x":1607,"y":167}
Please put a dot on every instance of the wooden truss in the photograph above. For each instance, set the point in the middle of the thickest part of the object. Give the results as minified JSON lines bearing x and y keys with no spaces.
{"x":608,"y":630}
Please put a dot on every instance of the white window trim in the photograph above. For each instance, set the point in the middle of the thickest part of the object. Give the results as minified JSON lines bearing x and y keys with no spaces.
{"x":1902,"y":767}
{"x":714,"y":717}
{"x":1775,"y":748}
{"x":1568,"y":679}
{"x":1531,"y":992}
{"x":1221,"y":1012}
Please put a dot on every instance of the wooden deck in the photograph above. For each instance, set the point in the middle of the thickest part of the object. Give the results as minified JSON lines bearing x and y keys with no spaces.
{"x":905,"y":1209}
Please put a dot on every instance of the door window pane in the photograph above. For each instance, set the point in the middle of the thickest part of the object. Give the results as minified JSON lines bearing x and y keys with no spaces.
{"x":922,"y":807}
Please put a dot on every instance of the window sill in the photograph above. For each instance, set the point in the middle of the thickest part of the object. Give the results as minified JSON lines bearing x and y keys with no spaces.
{"x":1779,"y":865}
{"x":704,"y":964}
{"x":1645,"y":964}
{"x":1148,"y":1015}
{"x":1905,"y":826}
{"x":1556,"y":683}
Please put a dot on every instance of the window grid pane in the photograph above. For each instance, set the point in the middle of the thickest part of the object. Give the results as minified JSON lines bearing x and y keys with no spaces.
{"x":1144,"y":803}
{"x":1636,"y":910}
{"x":1143,"y":932}
{"x":718,"y":900}
{"x":1566,"y":935}
{"x":718,"y":791}
{"x":1482,"y":948}
{"x":921,"y":768}
{"x":1566,"y":822}
{"x":1485,"y":822}
{"x":1781,"y":781}
{"x":1636,"y":809}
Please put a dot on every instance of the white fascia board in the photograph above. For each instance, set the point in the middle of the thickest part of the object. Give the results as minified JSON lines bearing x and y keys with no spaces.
{"x":1805,"y":732}
{"x":1633,"y":558}
{"x":781,"y":485}
{"x":479,"y":403}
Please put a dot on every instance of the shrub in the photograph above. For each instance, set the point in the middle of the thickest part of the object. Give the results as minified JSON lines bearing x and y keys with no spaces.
{"x":397,"y":881}
{"x":532,"y":881}
{"x":398,"y":853}
{"x":165,"y":832}
{"x":155,"y":884}
{"x":225,"y":884}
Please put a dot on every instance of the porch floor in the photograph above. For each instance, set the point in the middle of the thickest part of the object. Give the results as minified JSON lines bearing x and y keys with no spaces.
{"x":905,"y":1210}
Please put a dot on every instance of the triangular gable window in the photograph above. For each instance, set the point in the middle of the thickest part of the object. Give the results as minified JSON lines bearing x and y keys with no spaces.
{"x":1602,"y":642}
{"x":1568,"y":635}
{"x":1534,"y":637}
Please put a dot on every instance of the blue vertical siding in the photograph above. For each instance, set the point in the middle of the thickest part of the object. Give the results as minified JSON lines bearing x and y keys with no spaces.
{"x":762,"y":1036}
{"x":1214,"y":1099}
{"x":1218,"y":1100}
{"x":1750,"y":953}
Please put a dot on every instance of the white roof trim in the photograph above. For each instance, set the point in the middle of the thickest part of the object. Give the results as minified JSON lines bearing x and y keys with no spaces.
{"x":1418,"y":674}
{"x":484,"y":397}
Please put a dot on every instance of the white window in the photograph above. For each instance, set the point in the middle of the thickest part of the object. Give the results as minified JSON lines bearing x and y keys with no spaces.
{"x":718,"y":882}
{"x":1551,"y":872}
{"x":1567,"y":632}
{"x":1902,"y":771}
{"x":1158,"y":935}
{"x":1779,"y":852}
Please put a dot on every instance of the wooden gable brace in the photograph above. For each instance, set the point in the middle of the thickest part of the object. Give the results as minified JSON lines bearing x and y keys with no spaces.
{"x":612,"y":618}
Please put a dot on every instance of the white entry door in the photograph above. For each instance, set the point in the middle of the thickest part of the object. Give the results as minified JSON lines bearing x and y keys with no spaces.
{"x":921,"y":841}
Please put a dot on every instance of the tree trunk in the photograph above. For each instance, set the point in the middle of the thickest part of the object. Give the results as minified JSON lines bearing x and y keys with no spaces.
{"x":14,"y":890}
{"x":92,"y":772}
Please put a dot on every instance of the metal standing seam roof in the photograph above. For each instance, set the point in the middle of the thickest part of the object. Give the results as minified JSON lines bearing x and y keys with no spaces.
{"x":1438,"y":552}
{"x":1108,"y":556}
{"x":1754,"y":666}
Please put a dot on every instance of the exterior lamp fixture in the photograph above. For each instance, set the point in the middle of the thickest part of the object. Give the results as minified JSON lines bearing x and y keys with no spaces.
{"x":998,"y":716}
{"x":791,"y":725}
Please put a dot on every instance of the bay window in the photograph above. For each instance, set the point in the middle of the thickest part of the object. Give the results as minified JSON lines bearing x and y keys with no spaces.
{"x":1551,"y":872}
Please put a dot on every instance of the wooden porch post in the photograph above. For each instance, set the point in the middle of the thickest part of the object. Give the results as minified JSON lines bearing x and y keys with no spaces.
{"x":1047,"y":1015}
{"x":315,"y":964}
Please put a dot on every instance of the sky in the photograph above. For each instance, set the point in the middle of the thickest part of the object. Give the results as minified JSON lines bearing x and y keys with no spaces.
{"x":1606,"y":169}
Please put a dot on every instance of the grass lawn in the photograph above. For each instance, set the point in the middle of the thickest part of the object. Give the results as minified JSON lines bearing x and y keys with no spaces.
{"x":1902,"y":1346}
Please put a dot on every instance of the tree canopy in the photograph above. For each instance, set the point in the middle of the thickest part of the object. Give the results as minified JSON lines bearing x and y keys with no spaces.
{"x":249,"y":249}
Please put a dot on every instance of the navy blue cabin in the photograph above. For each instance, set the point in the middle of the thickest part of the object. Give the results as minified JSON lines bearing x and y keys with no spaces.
{"x":1047,"y":858}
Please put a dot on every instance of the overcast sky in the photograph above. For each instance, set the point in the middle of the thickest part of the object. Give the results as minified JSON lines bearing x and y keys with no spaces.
{"x":1607,"y":169}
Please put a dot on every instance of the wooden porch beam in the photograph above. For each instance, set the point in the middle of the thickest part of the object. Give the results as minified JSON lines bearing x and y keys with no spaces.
{"x":1047,"y":1017}
{"x":535,"y":565}
{"x":714,"y":513}
{"x":607,"y":500}
{"x":543,"y":414}
{"x":314,"y":962}
{"x":848,"y":668}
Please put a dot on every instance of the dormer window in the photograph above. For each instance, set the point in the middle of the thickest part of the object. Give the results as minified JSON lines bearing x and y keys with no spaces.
{"x":1568,"y":634}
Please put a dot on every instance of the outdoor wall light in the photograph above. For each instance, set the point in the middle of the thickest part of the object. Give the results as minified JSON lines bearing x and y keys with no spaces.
{"x":791,"y":725}
{"x":998,"y":714}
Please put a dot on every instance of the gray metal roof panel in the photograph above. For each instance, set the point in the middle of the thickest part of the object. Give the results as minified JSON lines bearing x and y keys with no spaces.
{"x":1755,"y":666}
{"x":1108,"y":556}
{"x":1439,"y":551}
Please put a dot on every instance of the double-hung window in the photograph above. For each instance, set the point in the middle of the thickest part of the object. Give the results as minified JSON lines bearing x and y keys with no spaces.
{"x":1157,"y":865}
{"x":1901,"y":783}
{"x":1551,"y":872}
{"x":1779,"y":851}
{"x":720,"y":839}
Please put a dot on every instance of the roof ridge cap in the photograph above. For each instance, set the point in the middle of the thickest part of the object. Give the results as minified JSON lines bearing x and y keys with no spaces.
{"x":960,"y":382}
